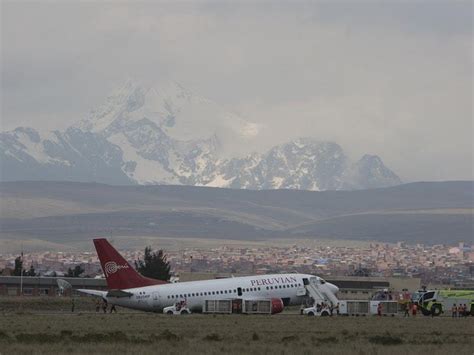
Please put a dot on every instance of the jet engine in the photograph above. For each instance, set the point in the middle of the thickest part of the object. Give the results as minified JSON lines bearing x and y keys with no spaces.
{"x":277,"y":305}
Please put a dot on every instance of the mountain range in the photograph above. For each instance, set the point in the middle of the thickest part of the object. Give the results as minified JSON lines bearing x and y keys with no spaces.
{"x":169,"y":135}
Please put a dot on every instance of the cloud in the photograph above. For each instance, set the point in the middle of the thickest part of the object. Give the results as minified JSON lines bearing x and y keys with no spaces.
{"x":389,"y":78}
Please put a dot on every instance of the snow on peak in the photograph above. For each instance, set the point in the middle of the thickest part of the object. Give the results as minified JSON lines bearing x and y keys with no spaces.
{"x":179,"y":112}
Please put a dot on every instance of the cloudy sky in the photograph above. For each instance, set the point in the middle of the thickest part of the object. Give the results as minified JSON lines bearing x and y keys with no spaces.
{"x":392,"y":78}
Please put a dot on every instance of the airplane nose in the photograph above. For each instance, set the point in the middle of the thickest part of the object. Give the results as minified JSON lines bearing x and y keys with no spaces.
{"x":334,"y":289}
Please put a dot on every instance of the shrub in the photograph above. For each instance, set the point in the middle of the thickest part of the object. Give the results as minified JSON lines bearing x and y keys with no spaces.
{"x":168,"y":335}
{"x":3,"y":336}
{"x":212,"y":337}
{"x":41,"y":338}
{"x":65,"y":333}
{"x":289,"y":338}
{"x":328,"y":340}
{"x":386,"y":340}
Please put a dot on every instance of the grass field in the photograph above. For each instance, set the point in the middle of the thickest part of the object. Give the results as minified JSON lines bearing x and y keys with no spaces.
{"x":35,"y":328}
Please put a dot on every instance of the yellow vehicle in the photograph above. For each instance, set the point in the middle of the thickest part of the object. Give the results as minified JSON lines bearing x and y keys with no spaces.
{"x":436,"y":302}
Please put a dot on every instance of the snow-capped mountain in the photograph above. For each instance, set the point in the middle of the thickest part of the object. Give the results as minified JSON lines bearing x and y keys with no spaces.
{"x":169,"y":135}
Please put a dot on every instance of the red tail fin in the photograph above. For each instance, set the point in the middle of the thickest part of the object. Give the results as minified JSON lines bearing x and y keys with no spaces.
{"x":118,"y":272}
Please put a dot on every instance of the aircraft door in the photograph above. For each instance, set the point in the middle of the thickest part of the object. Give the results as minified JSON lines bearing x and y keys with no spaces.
{"x":239,"y":291}
{"x":155,"y":298}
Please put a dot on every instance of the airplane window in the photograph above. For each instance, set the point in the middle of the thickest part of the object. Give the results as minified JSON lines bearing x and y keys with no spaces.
{"x":201,"y":293}
{"x":225,"y":291}
{"x":222,"y":292}
{"x":235,"y":291}
{"x":259,"y":288}
{"x":271,"y":287}
{"x":267,"y":287}
{"x":230,"y":291}
{"x":189,"y":295}
{"x":280,"y":286}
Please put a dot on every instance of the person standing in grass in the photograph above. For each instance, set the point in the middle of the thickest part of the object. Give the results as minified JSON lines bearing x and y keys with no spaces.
{"x":97,"y":306}
{"x":104,"y":305}
{"x":454,"y":311}
{"x":414,"y":308}
{"x":407,"y":310}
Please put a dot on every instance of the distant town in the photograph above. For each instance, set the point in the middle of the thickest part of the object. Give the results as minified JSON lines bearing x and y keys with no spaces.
{"x":446,"y":266}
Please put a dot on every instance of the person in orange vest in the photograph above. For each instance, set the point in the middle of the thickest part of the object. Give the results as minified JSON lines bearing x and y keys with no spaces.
{"x":454,"y":311}
{"x":414,"y":308}
{"x":379,"y":309}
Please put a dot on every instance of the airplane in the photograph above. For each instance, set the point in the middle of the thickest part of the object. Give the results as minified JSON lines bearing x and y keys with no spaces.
{"x":127,"y":288}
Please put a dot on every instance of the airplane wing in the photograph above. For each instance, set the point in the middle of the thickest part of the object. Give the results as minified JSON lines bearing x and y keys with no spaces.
{"x":111,"y":293}
{"x":93,"y":292}
{"x":119,"y":293}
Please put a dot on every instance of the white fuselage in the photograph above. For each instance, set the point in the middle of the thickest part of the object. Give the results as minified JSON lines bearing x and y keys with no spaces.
{"x":288,"y":287}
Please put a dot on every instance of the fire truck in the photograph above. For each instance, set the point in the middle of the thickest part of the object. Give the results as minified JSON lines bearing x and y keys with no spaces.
{"x":437,"y":302}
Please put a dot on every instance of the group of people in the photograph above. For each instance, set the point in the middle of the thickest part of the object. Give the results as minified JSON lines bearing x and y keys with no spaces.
{"x":459,"y":311}
{"x":104,"y":305}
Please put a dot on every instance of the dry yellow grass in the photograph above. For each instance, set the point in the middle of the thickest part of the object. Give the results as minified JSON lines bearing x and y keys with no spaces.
{"x":144,"y":333}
